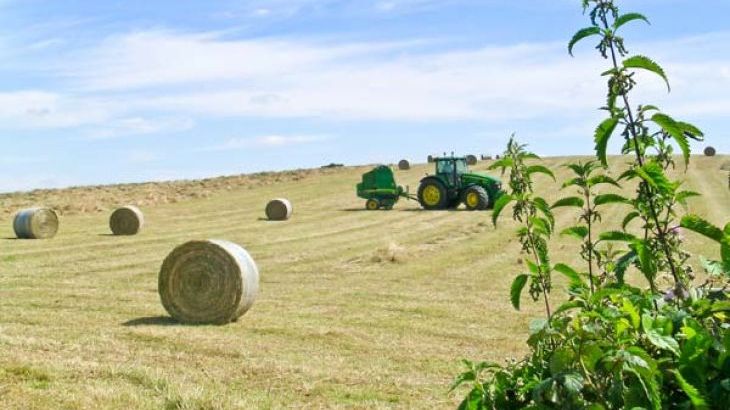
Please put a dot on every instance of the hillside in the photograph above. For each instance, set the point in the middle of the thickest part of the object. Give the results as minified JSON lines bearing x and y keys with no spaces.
{"x":356,"y":309}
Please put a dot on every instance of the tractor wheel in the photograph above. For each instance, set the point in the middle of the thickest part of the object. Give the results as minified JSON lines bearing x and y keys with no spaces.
{"x":475,"y":198}
{"x":372,"y":205}
{"x":432,"y":194}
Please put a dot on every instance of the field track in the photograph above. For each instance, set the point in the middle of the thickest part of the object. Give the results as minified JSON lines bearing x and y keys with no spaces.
{"x":356,"y":309}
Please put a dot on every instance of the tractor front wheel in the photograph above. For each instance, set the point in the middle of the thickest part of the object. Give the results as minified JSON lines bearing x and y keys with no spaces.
{"x":432,"y":194}
{"x":372,"y":205}
{"x":475,"y":198}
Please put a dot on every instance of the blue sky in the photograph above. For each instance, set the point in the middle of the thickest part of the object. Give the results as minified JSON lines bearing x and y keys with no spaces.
{"x":125,"y":91}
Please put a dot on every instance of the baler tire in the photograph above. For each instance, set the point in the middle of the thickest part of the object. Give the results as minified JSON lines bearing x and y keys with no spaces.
{"x":372,"y":204}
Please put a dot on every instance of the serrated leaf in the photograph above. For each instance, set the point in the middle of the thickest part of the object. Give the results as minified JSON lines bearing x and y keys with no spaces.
{"x":540,"y":169}
{"x":690,"y":131}
{"x":645,"y":63}
{"x":629,"y":217}
{"x":626,"y":18}
{"x":623,"y":263}
{"x":602,"y":179}
{"x":695,"y":397}
{"x":571,"y":201}
{"x":582,"y":34}
{"x":659,"y":340}
{"x":503,"y":201}
{"x":646,"y":260}
{"x":543,"y":207}
{"x":579,"y":232}
{"x":575,"y":181}
{"x":610,"y":199}
{"x":682,"y":196}
{"x":569,"y":273}
{"x":696,"y":224}
{"x":602,"y":135}
{"x":653,"y":174}
{"x":516,"y":290}
{"x":675,"y":130}
{"x":617,"y":236}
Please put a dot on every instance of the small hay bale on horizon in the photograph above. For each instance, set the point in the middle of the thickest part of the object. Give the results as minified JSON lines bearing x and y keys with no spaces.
{"x":279,"y":209}
{"x":404,"y":165}
{"x":710,"y":151}
{"x":208,"y":282}
{"x":36,"y":223}
{"x":471,"y":159}
{"x":127,"y":220}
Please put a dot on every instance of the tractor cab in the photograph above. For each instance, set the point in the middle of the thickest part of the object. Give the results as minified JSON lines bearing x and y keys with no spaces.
{"x":453,"y":184}
{"x":451,"y":169}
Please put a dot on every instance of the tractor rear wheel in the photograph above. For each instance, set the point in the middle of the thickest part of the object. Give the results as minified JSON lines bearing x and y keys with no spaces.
{"x":475,"y":198}
{"x":372,"y":205}
{"x":432,"y":194}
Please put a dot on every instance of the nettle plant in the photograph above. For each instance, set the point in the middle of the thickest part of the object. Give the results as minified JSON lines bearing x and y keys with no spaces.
{"x":613,"y":344}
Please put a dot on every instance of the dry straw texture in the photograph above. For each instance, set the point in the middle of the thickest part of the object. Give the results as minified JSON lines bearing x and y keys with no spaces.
{"x":279,"y":209}
{"x":208,"y":282}
{"x":127,"y":220}
{"x":36,"y":223}
{"x":725,"y":166}
{"x":404,"y":165}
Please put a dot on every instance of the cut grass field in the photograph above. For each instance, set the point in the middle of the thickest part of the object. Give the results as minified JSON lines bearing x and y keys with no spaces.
{"x":356,"y":309}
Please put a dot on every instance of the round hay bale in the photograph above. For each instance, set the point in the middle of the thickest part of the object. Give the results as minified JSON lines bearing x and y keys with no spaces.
{"x":710,"y":152}
{"x":279,"y":209}
{"x":211,"y":281}
{"x":127,"y":220}
{"x":430,"y":159}
{"x":404,"y":165}
{"x":35,"y":223}
{"x":471,"y":160}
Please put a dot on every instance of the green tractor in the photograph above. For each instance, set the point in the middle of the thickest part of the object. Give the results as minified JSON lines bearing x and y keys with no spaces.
{"x":454,"y":184}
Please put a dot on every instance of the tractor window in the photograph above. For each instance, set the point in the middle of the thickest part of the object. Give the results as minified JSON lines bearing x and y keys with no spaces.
{"x":444,"y":167}
{"x":461,"y":167}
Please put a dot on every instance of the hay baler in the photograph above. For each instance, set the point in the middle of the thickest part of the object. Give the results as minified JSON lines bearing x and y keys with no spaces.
{"x":379,"y":189}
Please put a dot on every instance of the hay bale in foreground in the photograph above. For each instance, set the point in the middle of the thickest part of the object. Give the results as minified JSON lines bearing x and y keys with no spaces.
{"x":710,"y":152}
{"x":471,"y":160}
{"x":208,"y":282}
{"x":127,"y":220}
{"x":35,"y":223}
{"x":279,"y":209}
{"x":404,"y":165}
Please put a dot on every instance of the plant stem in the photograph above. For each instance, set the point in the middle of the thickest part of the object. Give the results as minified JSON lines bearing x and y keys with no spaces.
{"x":589,"y":243}
{"x":640,"y":160}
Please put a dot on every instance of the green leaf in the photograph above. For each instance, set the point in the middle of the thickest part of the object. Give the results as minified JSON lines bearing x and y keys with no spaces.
{"x":653,"y":174}
{"x":690,"y":131}
{"x":645,"y":63}
{"x":575,"y":182}
{"x":625,"y":18}
{"x":543,"y":206}
{"x":702,"y":227}
{"x":617,"y":236}
{"x":675,"y":130}
{"x":503,"y":201}
{"x":646,"y":259}
{"x":569,"y":273}
{"x":694,"y":395}
{"x":579,"y":232}
{"x":629,"y":217}
{"x":602,"y":135}
{"x":602,"y":179}
{"x":580,"y":35}
{"x":516,"y":290}
{"x":610,"y":199}
{"x":659,"y":340}
{"x":623,"y":263}
{"x":683,"y":195}
{"x":502,"y":163}
{"x":534,"y":169}
{"x":573,"y":201}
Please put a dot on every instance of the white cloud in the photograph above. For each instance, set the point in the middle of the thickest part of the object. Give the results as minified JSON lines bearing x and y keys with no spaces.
{"x":129,"y":126}
{"x":266,"y":141}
